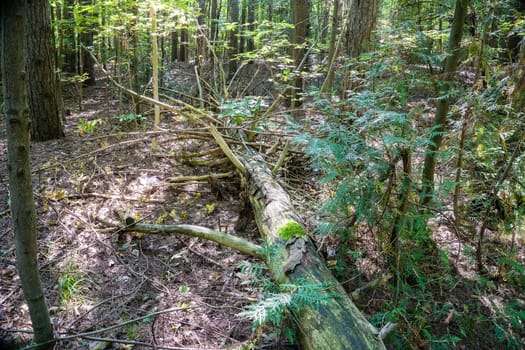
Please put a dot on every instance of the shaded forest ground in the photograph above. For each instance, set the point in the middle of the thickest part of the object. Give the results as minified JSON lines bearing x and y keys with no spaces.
{"x":95,"y":277}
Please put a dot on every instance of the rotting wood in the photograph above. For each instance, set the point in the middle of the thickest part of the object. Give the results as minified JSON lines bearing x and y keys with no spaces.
{"x":336,"y":325}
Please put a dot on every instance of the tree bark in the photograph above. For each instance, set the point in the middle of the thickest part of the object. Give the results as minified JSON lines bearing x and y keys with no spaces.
{"x":361,"y":23}
{"x":45,"y":103}
{"x":234,"y":33}
{"x":183,"y":52}
{"x":335,"y":325}
{"x":250,"y":46}
{"x":300,"y":14}
{"x":14,"y":84}
{"x":328,"y":84}
{"x":214,"y":21}
{"x":443,"y":104}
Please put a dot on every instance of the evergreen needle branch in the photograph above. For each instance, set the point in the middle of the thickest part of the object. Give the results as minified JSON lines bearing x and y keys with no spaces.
{"x":231,"y":241}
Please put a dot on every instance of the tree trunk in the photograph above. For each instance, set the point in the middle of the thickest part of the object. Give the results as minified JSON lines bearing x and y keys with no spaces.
{"x":234,"y":41}
{"x":251,"y":26}
{"x":443,"y":104}
{"x":85,"y":64}
{"x":14,"y":84}
{"x":361,"y":23}
{"x":326,"y":20}
{"x":45,"y":104}
{"x":214,"y":21}
{"x":328,"y":84}
{"x":243,"y":32}
{"x":155,"y":70}
{"x":174,"y":45}
{"x":201,"y":33}
{"x":332,"y":326}
{"x":300,"y":18}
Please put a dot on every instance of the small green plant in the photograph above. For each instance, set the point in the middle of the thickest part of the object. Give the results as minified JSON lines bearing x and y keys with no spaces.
{"x":87,"y":126}
{"x":70,"y":283}
{"x":127,"y":119}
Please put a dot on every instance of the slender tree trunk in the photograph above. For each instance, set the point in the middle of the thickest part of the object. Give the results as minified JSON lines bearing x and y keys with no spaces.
{"x":155,"y":69}
{"x":328,"y":84}
{"x":214,"y":20}
{"x":86,"y":62}
{"x":243,"y":28}
{"x":68,"y":38}
{"x":183,"y":52}
{"x":201,"y":33}
{"x":135,"y":60}
{"x":13,"y":58}
{"x":174,"y":45}
{"x":234,"y":33}
{"x":403,"y":198}
{"x":326,"y":19}
{"x":459,"y":168}
{"x":300,"y":19}
{"x":251,"y":26}
{"x":45,"y":103}
{"x":443,"y":104}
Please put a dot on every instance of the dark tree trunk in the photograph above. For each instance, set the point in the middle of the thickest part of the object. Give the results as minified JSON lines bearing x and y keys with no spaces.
{"x":251,"y":26}
{"x":234,"y":40}
{"x":214,"y":20}
{"x":14,"y":82}
{"x":244,"y":29}
{"x":45,"y":102}
{"x":174,"y":45}
{"x":86,"y":64}
{"x":68,"y":61}
{"x":183,"y":52}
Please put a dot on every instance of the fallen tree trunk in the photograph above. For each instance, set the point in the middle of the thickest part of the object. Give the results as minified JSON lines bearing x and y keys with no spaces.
{"x":335,"y":325}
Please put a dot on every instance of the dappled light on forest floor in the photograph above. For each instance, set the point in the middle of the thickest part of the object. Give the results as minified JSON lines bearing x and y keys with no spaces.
{"x":95,"y":277}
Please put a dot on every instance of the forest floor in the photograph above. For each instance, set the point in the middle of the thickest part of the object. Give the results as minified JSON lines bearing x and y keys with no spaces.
{"x":96,"y":277}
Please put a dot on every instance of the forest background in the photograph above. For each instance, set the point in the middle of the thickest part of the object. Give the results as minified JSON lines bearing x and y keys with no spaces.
{"x":397,"y":128}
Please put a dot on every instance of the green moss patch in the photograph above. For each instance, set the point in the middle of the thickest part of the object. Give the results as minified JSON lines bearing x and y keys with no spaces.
{"x":290,"y":229}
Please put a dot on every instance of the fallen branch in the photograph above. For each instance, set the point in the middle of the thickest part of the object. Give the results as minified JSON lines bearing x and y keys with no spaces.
{"x":225,"y":239}
{"x":200,"y":177}
{"x":370,"y":285}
